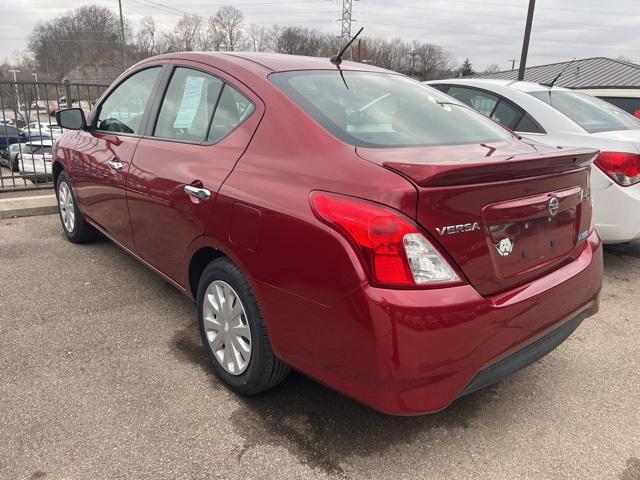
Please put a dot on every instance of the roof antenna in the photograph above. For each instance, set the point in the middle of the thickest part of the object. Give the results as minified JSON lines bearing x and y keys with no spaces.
{"x":553,"y":82}
{"x":337,"y":60}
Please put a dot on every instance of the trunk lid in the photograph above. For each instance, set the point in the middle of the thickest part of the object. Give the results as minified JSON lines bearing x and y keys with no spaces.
{"x":506,"y":213}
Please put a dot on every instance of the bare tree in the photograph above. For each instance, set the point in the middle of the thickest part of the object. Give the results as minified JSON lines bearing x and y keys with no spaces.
{"x":146,"y":37}
{"x":299,"y":41}
{"x":225,"y":27}
{"x":188,"y":33}
{"x":260,"y":38}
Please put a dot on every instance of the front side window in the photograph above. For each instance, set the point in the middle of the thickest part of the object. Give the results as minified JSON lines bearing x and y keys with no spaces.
{"x":123,"y":109}
{"x":592,"y":114}
{"x":385,"y":110}
{"x":188,"y":105}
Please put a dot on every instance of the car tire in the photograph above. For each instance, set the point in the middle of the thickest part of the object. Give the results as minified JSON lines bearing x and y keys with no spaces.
{"x":245,"y":373}
{"x":74,"y":225}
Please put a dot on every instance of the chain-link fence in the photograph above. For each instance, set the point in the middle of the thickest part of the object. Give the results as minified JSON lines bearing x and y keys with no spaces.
{"x":28,"y":128}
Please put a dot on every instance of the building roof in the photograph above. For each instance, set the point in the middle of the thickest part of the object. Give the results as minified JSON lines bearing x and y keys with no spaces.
{"x":596,"y":72}
{"x":101,"y":75}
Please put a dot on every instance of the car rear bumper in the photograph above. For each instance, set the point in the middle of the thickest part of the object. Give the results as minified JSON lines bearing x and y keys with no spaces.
{"x":526,"y":356}
{"x":408,"y":352}
{"x":615,"y":213}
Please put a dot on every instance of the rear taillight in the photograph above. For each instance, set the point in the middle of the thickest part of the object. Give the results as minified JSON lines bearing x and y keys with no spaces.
{"x":623,"y":168}
{"x":393,"y":248}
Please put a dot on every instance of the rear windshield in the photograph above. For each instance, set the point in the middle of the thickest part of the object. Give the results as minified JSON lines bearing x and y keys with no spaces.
{"x":592,"y":114}
{"x":384,"y":110}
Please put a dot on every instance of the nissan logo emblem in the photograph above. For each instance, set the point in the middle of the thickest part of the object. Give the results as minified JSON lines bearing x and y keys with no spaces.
{"x":554,"y":205}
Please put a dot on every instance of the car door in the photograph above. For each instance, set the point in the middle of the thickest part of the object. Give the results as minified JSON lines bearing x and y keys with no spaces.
{"x":103,"y":152}
{"x":202,"y":126}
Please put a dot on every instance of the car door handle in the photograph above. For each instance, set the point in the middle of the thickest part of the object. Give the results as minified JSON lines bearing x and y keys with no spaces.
{"x":115,"y":165}
{"x":197,"y":192}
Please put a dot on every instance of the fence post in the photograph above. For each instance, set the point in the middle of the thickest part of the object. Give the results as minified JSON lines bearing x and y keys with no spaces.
{"x":67,"y":93}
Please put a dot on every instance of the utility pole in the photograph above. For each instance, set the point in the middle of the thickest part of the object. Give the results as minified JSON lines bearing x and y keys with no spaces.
{"x":513,"y":63}
{"x":124,"y":57}
{"x":15,"y":80}
{"x":525,"y":42}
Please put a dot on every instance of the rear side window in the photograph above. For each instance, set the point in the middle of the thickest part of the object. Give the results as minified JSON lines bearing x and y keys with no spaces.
{"x":481,"y":101}
{"x":199,"y":107}
{"x":123,"y":109}
{"x":507,"y":114}
{"x":371,"y":109}
{"x":188,"y":105}
{"x":528,"y":125}
{"x":233,"y":109}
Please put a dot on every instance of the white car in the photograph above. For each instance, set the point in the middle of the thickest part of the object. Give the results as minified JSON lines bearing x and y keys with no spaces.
{"x":11,"y":158}
{"x":562,"y":117}
{"x":47,"y":129}
{"x":34,"y":163}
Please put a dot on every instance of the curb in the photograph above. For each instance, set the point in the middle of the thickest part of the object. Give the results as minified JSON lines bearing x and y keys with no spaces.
{"x":28,"y":206}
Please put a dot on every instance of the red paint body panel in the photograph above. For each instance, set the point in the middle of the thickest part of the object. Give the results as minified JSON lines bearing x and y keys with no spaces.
{"x":99,"y":188}
{"x":402,"y":351}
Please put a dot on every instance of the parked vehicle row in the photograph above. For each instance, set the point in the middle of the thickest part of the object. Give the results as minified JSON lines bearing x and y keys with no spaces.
{"x":336,"y":218}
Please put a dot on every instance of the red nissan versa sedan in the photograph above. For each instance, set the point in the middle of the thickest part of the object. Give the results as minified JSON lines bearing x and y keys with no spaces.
{"x":348,"y":222}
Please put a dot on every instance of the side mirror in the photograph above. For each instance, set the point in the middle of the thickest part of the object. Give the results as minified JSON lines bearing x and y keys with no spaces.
{"x":71,"y":118}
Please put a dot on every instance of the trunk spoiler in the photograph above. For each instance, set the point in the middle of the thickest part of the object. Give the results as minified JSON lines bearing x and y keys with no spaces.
{"x":495,"y":169}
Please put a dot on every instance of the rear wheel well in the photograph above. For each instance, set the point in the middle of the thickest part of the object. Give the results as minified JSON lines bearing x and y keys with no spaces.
{"x":198,"y":263}
{"x":57,"y":168}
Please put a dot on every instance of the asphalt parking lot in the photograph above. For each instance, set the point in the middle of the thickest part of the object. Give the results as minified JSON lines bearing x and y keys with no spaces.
{"x":103,"y":377}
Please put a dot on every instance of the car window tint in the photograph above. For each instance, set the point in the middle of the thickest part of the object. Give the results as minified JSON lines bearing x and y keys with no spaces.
{"x":188,"y":105}
{"x":528,"y":125}
{"x":233,"y":108}
{"x":380,"y":110}
{"x":481,"y":101}
{"x":122,"y":111}
{"x":507,"y":114}
{"x":628,"y":104}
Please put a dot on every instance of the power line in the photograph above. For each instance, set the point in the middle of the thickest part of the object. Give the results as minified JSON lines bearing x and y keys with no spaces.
{"x":482,"y":34}
{"x":490,"y":15}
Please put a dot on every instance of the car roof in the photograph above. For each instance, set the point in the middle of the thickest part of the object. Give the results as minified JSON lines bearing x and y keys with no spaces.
{"x":480,"y":82}
{"x":271,"y":62}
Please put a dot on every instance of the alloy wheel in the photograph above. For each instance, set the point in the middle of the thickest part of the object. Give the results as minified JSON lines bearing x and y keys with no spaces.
{"x":67,"y":210}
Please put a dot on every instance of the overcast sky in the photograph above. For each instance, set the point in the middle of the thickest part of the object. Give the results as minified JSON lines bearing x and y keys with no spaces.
{"x":488,"y":32}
